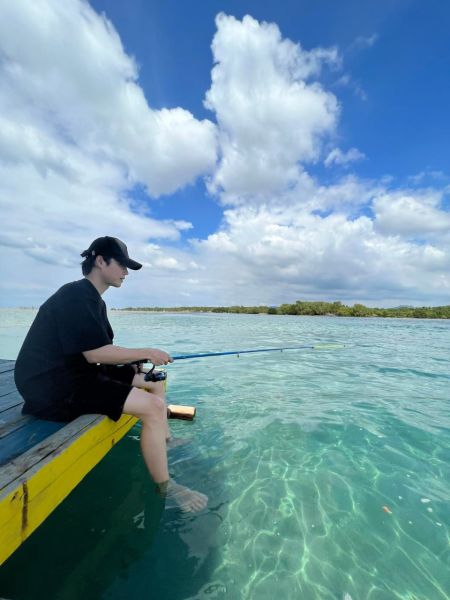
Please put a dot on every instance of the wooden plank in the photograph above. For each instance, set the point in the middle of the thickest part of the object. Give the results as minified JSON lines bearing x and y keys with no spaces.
{"x":7,"y":384}
{"x":10,"y":400}
{"x":19,"y":433}
{"x":23,"y":438}
{"x":10,"y":415}
{"x":12,"y":418}
{"x":20,"y":465}
{"x":6,"y":365}
{"x":36,"y":492}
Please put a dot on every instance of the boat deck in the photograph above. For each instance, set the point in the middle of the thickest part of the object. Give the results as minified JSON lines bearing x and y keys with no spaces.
{"x":41,"y":462}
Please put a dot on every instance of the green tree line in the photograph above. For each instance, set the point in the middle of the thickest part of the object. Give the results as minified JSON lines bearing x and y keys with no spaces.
{"x":336,"y":309}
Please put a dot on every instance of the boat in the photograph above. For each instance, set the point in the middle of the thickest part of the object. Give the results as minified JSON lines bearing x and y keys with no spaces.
{"x":41,"y":462}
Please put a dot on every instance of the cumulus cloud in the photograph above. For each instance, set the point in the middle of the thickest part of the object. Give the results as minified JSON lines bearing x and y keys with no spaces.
{"x":314,"y":256}
{"x":64,"y":68}
{"x":412,"y":214}
{"x":336,"y":156}
{"x":76,"y":134}
{"x":271,"y":114}
{"x":54,"y":207}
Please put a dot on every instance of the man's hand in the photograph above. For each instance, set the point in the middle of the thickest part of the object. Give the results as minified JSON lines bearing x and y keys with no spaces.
{"x":158,"y":357}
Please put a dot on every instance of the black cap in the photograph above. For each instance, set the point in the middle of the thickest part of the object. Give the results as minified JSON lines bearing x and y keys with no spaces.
{"x":111,"y":247}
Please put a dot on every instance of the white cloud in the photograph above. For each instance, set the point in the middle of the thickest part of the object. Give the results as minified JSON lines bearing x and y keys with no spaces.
{"x":411,"y":214}
{"x":284,"y":250}
{"x":64,"y":72}
{"x":270,"y":115}
{"x":336,"y":156}
{"x":168,"y":262}
{"x":428,"y":174}
{"x":53,"y":208}
{"x":76,"y":133}
{"x":348,"y":195}
{"x":293,"y":252}
{"x":347,"y":81}
{"x":362,"y":42}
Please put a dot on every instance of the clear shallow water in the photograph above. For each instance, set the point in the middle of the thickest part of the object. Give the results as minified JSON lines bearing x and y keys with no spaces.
{"x":301,"y":453}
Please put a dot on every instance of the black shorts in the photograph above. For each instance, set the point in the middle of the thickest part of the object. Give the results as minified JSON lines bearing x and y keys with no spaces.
{"x":105,"y":394}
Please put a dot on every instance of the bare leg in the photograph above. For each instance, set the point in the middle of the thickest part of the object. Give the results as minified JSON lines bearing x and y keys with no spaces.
{"x":158,"y":388}
{"x":155,"y":387}
{"x":151,"y":409}
{"x":153,"y":414}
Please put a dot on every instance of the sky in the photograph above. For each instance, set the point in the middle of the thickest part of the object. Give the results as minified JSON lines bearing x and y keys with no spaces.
{"x":247,"y":152}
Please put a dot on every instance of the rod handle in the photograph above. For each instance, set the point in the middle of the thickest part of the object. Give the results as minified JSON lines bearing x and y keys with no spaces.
{"x":178,"y":411}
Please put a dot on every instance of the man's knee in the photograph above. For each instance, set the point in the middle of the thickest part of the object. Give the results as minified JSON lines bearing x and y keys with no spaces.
{"x":145,"y":405}
{"x":157,"y":406}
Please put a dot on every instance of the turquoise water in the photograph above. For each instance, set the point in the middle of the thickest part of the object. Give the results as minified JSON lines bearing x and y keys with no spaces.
{"x":327,"y":471}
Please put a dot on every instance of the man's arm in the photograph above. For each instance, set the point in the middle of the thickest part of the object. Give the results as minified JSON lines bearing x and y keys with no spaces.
{"x":115,"y":355}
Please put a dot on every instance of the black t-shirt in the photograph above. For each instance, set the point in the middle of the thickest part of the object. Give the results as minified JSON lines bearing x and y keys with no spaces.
{"x":50,"y":366}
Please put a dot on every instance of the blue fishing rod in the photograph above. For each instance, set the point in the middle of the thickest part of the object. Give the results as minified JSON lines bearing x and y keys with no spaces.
{"x":153,"y":375}
{"x":238,"y":352}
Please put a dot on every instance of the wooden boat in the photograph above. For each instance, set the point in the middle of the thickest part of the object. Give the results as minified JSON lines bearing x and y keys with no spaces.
{"x":41,"y":462}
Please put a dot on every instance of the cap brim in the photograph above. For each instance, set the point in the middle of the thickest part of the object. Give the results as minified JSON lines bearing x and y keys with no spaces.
{"x":132,"y":264}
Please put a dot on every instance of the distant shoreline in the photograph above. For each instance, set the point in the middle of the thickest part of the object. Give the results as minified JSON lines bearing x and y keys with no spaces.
{"x":299,"y":308}
{"x":310,"y":309}
{"x":194,"y":312}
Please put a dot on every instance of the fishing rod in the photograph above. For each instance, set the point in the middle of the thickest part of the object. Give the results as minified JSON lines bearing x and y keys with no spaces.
{"x":238,"y":352}
{"x":153,"y":375}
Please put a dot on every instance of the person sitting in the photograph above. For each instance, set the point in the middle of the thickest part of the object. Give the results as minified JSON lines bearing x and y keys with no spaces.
{"x":69,"y":366}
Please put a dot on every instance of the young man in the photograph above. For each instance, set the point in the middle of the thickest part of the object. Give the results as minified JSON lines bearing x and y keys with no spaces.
{"x":68,"y":365}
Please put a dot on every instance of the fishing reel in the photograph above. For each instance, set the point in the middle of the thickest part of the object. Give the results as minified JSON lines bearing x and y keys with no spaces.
{"x":152,"y":375}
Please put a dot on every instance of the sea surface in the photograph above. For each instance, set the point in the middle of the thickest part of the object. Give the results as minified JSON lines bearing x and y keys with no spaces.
{"x":327,"y":471}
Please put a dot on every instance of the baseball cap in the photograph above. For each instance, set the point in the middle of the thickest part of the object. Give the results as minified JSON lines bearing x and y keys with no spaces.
{"x":111,"y":247}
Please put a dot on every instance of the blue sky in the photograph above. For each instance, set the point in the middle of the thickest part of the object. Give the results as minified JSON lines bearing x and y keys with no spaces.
{"x":247,"y":152}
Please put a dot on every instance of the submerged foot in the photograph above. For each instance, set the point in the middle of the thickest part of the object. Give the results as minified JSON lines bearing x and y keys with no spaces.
{"x":175,"y":442}
{"x":180,"y":496}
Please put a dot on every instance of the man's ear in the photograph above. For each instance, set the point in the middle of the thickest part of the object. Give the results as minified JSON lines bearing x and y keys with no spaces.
{"x":100,"y":261}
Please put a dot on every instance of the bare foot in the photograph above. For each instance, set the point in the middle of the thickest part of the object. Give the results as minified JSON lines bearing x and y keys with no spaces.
{"x":175,"y":442}
{"x":180,"y":496}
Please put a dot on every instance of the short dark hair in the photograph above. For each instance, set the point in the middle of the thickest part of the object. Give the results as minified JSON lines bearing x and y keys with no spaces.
{"x":88,"y":263}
